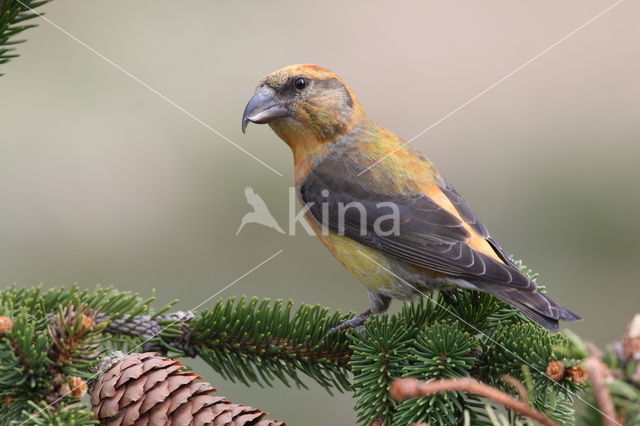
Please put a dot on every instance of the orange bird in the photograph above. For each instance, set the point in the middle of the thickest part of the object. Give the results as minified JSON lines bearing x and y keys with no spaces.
{"x":380,"y":206}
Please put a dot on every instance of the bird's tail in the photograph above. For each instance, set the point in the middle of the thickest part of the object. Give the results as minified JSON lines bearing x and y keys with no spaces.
{"x":538,"y":306}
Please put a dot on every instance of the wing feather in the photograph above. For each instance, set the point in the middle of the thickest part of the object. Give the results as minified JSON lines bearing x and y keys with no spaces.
{"x":429,"y":235}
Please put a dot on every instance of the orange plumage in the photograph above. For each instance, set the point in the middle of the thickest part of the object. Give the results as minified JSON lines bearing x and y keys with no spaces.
{"x":346,"y":162}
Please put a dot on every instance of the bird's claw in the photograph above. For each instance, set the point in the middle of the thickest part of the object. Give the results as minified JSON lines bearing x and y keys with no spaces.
{"x":356,"y":323}
{"x":449,"y":297}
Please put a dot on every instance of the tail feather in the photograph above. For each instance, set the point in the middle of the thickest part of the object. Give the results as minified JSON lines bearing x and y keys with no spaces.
{"x":539,"y":307}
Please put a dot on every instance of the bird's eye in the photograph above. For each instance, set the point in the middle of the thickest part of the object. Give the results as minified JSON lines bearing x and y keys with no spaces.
{"x":300,"y":83}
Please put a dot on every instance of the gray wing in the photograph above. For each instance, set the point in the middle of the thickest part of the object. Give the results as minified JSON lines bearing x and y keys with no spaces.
{"x":427,"y":235}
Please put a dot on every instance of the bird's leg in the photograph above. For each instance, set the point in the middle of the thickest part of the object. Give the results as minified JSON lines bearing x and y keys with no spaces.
{"x":447,"y":296}
{"x":355,"y":322}
{"x":378,"y":303}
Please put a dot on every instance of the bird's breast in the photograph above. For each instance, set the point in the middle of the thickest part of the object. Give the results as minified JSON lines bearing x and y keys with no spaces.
{"x":378,"y":272}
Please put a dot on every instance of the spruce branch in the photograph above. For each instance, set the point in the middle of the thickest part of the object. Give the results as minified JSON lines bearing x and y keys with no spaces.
{"x":258,"y":341}
{"x":403,"y":389}
{"x":158,"y":331}
{"x":254,"y":340}
{"x":614,"y":375}
{"x":13,"y":13}
{"x":377,"y":360}
{"x":518,"y":386}
{"x":598,"y":373}
{"x":250,"y":340}
{"x":53,"y":344}
{"x":441,"y":351}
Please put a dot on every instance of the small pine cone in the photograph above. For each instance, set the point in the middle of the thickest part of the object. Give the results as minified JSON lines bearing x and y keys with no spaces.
{"x":69,"y":331}
{"x":578,"y":374}
{"x":88,"y":323}
{"x":78,"y":387}
{"x":6,"y":324}
{"x":146,"y":389}
{"x":555,"y":370}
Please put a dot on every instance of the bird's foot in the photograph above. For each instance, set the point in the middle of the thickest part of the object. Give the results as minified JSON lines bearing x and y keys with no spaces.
{"x":449,"y":297}
{"x":356,"y":322}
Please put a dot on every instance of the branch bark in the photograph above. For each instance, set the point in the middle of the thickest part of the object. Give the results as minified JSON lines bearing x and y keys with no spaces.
{"x":598,"y":374}
{"x":402,"y":389}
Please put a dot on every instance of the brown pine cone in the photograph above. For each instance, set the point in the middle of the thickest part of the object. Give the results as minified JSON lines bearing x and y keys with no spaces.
{"x":556,"y":370}
{"x":146,"y":389}
{"x":6,"y":324}
{"x":578,"y":374}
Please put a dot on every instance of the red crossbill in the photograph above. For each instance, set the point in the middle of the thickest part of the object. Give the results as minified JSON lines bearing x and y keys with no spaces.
{"x":432,"y":239}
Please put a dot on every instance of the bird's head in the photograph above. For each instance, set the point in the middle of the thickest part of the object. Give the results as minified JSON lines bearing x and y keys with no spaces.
{"x":304,"y":104}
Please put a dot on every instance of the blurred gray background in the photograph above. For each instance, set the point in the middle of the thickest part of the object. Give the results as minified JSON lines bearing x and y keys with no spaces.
{"x":103,"y":181}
